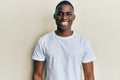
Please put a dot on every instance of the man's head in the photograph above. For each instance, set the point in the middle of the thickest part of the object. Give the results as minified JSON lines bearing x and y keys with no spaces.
{"x":64,"y":15}
{"x":64,"y":3}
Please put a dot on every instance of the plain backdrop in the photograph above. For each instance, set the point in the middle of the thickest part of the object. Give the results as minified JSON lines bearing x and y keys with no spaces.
{"x":22,"y":22}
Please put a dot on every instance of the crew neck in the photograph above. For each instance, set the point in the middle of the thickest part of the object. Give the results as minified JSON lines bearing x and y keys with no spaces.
{"x":61,"y":37}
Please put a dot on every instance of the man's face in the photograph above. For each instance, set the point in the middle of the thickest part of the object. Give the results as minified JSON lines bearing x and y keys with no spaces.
{"x":64,"y":16}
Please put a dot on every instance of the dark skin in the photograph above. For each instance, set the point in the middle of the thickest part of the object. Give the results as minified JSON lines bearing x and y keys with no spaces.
{"x":38,"y":70}
{"x":64,"y":13}
{"x":88,"y":71}
{"x":64,"y":16}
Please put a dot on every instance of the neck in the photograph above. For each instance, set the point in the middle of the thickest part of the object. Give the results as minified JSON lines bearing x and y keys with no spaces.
{"x":64,"y":33}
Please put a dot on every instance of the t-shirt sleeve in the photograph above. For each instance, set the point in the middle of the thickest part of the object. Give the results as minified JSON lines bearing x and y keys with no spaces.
{"x":38,"y":53}
{"x":88,"y":55}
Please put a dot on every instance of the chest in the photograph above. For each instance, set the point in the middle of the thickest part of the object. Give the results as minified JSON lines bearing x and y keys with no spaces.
{"x":63,"y":49}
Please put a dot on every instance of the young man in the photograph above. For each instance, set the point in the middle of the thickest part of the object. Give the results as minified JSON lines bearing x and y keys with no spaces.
{"x":62,"y":52}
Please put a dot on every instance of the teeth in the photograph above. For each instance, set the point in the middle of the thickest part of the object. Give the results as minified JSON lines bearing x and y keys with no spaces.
{"x":64,"y":23}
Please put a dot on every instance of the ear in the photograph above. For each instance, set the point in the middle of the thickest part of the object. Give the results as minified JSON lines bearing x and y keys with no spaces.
{"x":54,"y":16}
{"x":73,"y":17}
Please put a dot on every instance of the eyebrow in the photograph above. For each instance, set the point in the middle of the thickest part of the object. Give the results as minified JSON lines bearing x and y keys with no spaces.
{"x":66,"y":12}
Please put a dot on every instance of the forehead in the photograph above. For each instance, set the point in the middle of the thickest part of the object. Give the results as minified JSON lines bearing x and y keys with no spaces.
{"x":65,"y":8}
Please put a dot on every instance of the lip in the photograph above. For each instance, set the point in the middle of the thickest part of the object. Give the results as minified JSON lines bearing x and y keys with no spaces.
{"x":64,"y":23}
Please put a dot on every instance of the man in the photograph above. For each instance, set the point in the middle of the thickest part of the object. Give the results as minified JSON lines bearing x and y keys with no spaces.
{"x":62,"y":52}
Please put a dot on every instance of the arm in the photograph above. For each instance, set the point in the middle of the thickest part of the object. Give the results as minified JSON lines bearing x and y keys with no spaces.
{"x":88,"y":71}
{"x":38,"y":70}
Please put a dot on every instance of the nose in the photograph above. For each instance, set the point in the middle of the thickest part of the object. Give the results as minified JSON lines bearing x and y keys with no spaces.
{"x":64,"y":17}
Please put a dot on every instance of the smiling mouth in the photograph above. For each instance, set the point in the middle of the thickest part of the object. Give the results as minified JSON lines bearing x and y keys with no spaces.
{"x":65,"y":23}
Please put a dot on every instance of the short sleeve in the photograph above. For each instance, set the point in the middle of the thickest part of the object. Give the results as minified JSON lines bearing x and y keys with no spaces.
{"x":88,"y":55}
{"x":38,"y":53}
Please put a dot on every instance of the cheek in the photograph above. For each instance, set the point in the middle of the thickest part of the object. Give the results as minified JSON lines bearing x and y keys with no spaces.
{"x":57,"y":18}
{"x":72,"y":19}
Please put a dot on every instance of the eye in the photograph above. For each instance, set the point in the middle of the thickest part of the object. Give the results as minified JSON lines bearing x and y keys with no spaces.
{"x":59,"y":14}
{"x":69,"y":14}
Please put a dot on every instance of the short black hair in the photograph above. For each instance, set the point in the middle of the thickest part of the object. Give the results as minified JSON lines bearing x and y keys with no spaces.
{"x":64,"y":2}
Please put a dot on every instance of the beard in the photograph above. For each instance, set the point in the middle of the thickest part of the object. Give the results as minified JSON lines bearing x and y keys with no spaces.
{"x":63,"y":26}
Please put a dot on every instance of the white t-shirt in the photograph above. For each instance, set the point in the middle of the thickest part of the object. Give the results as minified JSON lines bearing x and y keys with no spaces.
{"x":63,"y":55}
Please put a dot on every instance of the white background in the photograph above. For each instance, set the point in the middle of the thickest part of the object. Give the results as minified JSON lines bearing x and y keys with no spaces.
{"x":22,"y":22}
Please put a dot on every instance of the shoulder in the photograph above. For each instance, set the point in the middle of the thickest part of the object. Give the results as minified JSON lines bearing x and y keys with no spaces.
{"x":45,"y":37}
{"x":82,"y":39}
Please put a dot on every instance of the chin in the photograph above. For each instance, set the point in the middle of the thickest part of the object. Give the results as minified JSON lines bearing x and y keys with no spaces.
{"x":63,"y":28}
